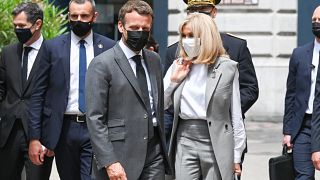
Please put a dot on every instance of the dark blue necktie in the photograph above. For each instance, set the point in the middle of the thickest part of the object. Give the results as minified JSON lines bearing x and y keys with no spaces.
{"x":82,"y":76}
{"x":142,"y":80}
{"x":24,"y":70}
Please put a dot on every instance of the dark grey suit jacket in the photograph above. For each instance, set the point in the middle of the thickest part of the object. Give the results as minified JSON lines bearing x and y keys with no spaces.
{"x":116,"y":114}
{"x":14,"y":98}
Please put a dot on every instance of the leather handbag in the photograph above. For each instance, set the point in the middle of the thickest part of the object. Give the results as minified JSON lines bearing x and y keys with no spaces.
{"x":281,"y":167}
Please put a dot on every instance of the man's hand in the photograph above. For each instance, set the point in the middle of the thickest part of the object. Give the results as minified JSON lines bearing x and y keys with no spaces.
{"x":49,"y":153}
{"x":316,"y":160}
{"x":287,"y":141}
{"x":36,"y":152}
{"x":116,"y":172}
{"x":237,"y":169}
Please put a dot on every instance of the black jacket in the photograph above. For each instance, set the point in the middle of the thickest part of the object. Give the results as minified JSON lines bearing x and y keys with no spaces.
{"x":14,"y":98}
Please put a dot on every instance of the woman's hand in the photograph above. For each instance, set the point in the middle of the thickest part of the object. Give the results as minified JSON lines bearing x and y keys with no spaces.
{"x":237,"y":169}
{"x":180,"y":70}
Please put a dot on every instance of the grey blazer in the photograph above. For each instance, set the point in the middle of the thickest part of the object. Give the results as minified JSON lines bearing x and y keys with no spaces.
{"x":218,"y":99}
{"x":116,"y":114}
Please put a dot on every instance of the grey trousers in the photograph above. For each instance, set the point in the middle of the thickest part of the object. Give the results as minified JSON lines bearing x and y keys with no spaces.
{"x":195,"y":158}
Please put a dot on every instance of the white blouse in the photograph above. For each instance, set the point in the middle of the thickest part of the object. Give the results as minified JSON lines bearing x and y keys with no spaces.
{"x":193,"y":102}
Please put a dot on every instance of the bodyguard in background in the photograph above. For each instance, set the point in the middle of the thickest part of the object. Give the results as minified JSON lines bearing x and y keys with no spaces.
{"x":124,"y":94}
{"x":299,"y":104}
{"x":18,"y":64}
{"x":57,"y":112}
{"x":315,"y":122}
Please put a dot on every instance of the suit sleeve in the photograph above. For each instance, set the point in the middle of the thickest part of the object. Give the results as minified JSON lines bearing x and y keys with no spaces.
{"x":290,"y":96}
{"x":2,"y":75}
{"x":249,"y":90}
{"x":171,"y":55}
{"x":315,"y":122}
{"x":97,"y":92}
{"x":38,"y":95}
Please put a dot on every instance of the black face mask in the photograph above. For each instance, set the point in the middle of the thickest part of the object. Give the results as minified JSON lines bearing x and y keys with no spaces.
{"x":23,"y":34}
{"x":136,"y":40}
{"x":80,"y":28}
{"x":316,"y":29}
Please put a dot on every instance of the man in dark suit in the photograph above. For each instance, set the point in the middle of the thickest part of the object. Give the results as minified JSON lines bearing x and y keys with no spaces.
{"x":124,"y":95}
{"x":237,"y":50}
{"x":315,"y":122}
{"x":57,"y":113}
{"x":299,"y":108}
{"x":18,"y":63}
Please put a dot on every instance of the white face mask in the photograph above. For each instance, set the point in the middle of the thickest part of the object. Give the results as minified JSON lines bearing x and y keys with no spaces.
{"x":191,"y":46}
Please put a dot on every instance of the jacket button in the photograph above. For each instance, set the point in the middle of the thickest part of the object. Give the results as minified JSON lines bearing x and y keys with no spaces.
{"x":209,"y":123}
{"x":145,"y":137}
{"x":145,"y":116}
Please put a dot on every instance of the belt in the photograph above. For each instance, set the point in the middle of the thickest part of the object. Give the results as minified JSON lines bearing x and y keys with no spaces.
{"x":307,"y":120}
{"x":307,"y":116}
{"x":76,"y":118}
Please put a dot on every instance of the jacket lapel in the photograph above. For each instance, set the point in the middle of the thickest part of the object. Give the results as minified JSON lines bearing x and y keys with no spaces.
{"x":125,"y":67}
{"x":308,"y":66}
{"x":34,"y":68}
{"x":177,"y":97}
{"x":65,"y":57}
{"x":18,"y":57}
{"x":214,"y":75}
{"x":98,"y":47}
{"x":150,"y":64}
{"x":309,"y":56}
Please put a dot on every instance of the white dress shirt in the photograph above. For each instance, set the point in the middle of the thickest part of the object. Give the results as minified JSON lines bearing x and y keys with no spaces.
{"x":73,"y":106}
{"x":193,"y":102}
{"x":314,"y":70}
{"x":129,"y":54}
{"x":32,"y":54}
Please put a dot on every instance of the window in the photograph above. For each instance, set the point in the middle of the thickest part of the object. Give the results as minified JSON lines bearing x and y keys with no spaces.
{"x":239,"y":2}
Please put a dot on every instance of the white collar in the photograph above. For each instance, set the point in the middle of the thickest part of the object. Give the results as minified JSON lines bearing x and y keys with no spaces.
{"x":76,"y":39}
{"x":127,"y":51}
{"x":37,"y":44}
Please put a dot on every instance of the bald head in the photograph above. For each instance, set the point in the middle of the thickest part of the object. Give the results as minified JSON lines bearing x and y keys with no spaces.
{"x":316,"y":15}
{"x":316,"y":23}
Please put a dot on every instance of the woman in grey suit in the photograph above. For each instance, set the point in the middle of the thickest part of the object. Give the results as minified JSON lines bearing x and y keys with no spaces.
{"x":208,"y":134}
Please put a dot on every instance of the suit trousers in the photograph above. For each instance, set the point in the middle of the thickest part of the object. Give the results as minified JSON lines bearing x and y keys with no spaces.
{"x":304,"y":169}
{"x":14,"y":156}
{"x":74,"y":152}
{"x":154,"y":164}
{"x":195,"y":158}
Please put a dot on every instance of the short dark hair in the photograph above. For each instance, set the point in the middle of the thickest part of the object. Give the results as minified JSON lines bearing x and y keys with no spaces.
{"x":84,"y":1}
{"x":32,"y":10}
{"x":139,"y":6}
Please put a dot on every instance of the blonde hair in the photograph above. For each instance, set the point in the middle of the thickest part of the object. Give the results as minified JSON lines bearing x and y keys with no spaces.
{"x":203,"y":26}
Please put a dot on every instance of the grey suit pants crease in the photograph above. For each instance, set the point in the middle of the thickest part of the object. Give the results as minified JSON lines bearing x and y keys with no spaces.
{"x":154,"y":164}
{"x":195,"y":158}
{"x":14,"y":156}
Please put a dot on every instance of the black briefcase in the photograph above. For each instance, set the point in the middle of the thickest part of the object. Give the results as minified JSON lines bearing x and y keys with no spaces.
{"x":281,"y":167}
